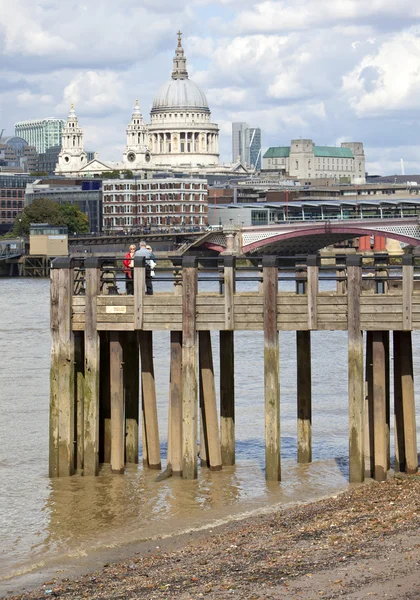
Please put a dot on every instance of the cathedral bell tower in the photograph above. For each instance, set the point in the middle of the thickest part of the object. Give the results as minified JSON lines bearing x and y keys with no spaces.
{"x":137,"y":153}
{"x":72,"y":156}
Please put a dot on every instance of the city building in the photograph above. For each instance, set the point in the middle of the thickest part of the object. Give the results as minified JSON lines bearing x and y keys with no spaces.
{"x":16,"y":155}
{"x":12,"y":195}
{"x":180,"y":137}
{"x":41,"y":133}
{"x":305,"y":161}
{"x":85,"y":194}
{"x":154,"y":203}
{"x":246,"y":145}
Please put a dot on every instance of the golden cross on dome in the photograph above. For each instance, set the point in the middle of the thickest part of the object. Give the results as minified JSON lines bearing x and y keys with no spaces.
{"x":72,"y":106}
{"x":179,"y":38}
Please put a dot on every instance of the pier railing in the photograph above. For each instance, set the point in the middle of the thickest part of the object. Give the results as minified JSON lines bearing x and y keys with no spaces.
{"x":310,"y":294}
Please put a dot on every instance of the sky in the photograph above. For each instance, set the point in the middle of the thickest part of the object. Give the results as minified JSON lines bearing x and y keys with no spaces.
{"x":328,"y":70}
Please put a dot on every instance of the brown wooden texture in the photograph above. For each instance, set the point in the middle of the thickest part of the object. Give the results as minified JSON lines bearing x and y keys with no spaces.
{"x":117,"y":403}
{"x":54,"y":374}
{"x":175,"y":400}
{"x":408,"y":402}
{"x":139,"y":294}
{"x":105,"y":401}
{"x":66,"y":390}
{"x":91,"y":412}
{"x":271,"y":374}
{"x":210,"y":419}
{"x":148,"y":389}
{"x":227,"y":397}
{"x":189,"y":374}
{"x":79,"y":366}
{"x":380,"y":438}
{"x":355,"y":376}
{"x":304,"y":396}
{"x":132,"y":396}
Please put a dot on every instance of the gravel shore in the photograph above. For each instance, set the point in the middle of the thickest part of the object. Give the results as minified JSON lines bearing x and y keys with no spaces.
{"x":363,"y":543}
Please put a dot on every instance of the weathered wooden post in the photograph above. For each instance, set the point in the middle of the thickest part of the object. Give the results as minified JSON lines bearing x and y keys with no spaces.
{"x":189,"y":368}
{"x":227,"y":370}
{"x":369,"y":432}
{"x":79,"y":366}
{"x":355,"y":370}
{"x":148,"y":391}
{"x":303,"y":351}
{"x":271,"y":370}
{"x":380,"y":438}
{"x":62,"y":395}
{"x":91,"y":412}
{"x":131,"y":394}
{"x":104,"y":399}
{"x":175,"y":391}
{"x":117,"y":402}
{"x":209,"y":407}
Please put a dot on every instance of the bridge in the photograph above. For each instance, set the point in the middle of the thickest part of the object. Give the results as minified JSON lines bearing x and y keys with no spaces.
{"x":306,"y":237}
{"x":11,"y":249}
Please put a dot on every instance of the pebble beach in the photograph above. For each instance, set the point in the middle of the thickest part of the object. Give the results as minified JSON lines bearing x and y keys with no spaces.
{"x":363,"y":543}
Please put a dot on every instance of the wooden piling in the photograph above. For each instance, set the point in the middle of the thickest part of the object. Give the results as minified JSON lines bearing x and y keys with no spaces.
{"x":271,"y":370}
{"x":54,"y":372}
{"x":404,"y":403}
{"x":148,"y":390}
{"x":175,"y":400}
{"x":214,"y":456}
{"x":117,"y":402}
{"x":355,"y":371}
{"x":312,"y":291}
{"x":139,"y":273}
{"x":91,"y":412}
{"x":189,"y":368}
{"x":66,"y":389}
{"x":227,"y":397}
{"x":380,"y":438}
{"x":304,"y":397}
{"x":369,"y":414}
{"x":131,"y":396}
{"x":104,"y":399}
{"x":79,"y":367}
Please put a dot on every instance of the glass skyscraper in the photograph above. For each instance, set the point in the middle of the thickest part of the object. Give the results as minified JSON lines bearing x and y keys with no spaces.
{"x":246,"y":144}
{"x":41,"y":133}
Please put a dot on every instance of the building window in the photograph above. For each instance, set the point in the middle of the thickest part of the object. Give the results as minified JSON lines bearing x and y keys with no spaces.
{"x":297,"y":165}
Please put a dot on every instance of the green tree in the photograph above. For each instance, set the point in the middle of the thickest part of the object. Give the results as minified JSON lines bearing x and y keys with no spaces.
{"x":43,"y":210}
{"x":74,"y":218}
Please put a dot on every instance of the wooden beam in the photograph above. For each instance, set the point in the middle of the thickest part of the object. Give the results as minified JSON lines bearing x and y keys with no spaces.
{"x":131,"y":395}
{"x":380,"y":438}
{"x":79,"y":365}
{"x":407,"y":291}
{"x":408,"y":403}
{"x":229,"y":280}
{"x":355,"y":371}
{"x":271,"y":370}
{"x":105,"y":400}
{"x":91,"y":412}
{"x":175,"y":401}
{"x":66,"y":405}
{"x":148,"y":390}
{"x":139,"y":273}
{"x":189,"y":368}
{"x":227,"y":397}
{"x":312,"y":291}
{"x":304,"y":397}
{"x":117,"y":403}
{"x":54,"y":372}
{"x":210,"y":420}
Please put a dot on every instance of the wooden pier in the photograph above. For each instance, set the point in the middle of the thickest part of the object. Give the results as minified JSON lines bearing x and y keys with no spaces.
{"x":102,"y":367}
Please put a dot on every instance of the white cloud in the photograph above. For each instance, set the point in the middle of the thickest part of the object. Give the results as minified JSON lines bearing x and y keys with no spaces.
{"x":27,"y":98}
{"x":95,"y":92}
{"x":389,"y":80}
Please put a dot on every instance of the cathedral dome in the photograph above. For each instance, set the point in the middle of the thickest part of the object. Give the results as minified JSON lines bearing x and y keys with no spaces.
{"x":180,"y":93}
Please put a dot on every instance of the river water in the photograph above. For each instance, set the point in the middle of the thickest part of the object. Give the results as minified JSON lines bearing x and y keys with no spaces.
{"x":45,"y":523}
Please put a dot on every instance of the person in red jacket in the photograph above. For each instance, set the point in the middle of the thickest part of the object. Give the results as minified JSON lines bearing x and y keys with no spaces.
{"x":129,"y":270}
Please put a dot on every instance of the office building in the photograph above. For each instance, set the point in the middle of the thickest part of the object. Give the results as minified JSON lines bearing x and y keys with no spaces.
{"x":12,"y":195}
{"x":246,"y":145}
{"x":304,"y":160}
{"x":149,"y":203}
{"x":41,"y":133}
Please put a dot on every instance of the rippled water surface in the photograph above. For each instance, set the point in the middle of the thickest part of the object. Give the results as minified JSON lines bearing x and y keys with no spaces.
{"x":43,"y":520}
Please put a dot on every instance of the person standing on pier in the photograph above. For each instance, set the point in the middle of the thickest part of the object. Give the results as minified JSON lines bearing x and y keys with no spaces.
{"x":129,"y":270}
{"x":152,"y":261}
{"x":143,"y":251}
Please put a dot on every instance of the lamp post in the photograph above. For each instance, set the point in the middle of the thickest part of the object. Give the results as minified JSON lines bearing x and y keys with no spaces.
{"x":20,"y":227}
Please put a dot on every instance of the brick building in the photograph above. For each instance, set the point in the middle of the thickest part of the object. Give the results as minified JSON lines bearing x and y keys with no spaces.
{"x":130,"y":204}
{"x":12,"y":197}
